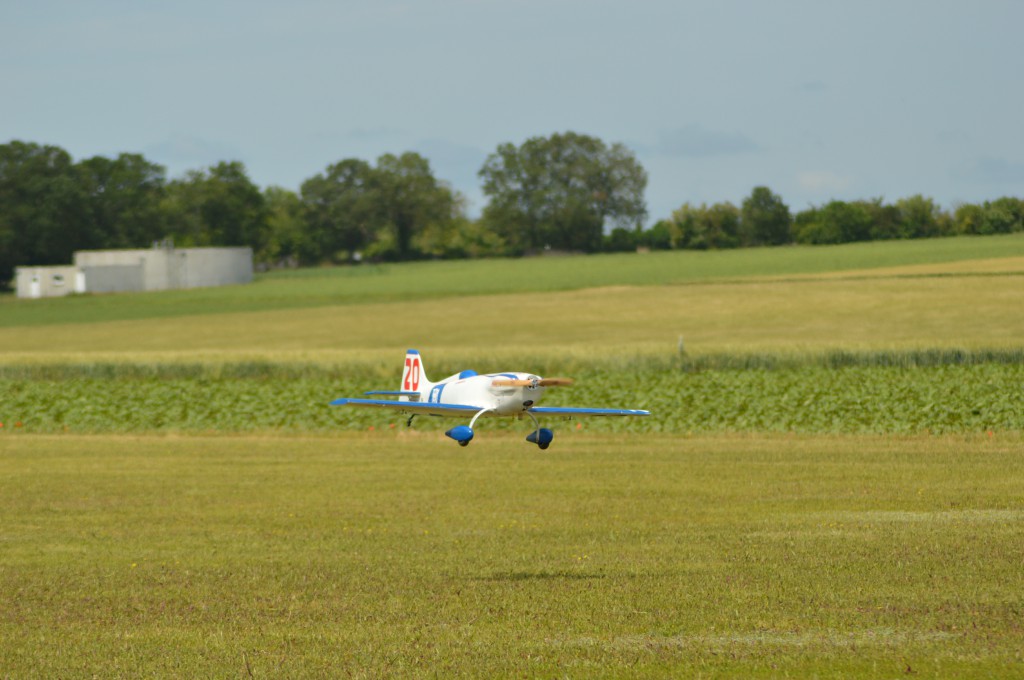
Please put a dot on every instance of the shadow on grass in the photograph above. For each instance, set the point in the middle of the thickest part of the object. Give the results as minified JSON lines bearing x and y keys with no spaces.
{"x":537,"y":576}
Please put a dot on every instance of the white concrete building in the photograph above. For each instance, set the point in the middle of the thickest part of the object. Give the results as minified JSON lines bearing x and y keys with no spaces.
{"x":158,"y":268}
{"x":34,"y":282}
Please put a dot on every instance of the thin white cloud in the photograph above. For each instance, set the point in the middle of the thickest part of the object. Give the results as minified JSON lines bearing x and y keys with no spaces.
{"x":697,"y":141}
{"x":822,"y":181}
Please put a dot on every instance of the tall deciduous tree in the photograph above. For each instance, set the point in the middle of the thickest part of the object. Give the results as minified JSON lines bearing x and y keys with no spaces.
{"x":968,"y":218}
{"x":834,"y":222}
{"x":765,"y":220}
{"x":1003,"y":215}
{"x":383,"y":211}
{"x":661,"y":236}
{"x":286,"y":236}
{"x":920,"y":217}
{"x":41,"y":208}
{"x":886,"y":220}
{"x":721,"y":226}
{"x":702,"y":227}
{"x":562,"y":191}
{"x":123,"y":197}
{"x":410,"y":200}
{"x":338,"y":210}
{"x":216,"y":207}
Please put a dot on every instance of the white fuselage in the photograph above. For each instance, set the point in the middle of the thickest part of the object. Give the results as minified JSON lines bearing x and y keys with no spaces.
{"x":480,"y":391}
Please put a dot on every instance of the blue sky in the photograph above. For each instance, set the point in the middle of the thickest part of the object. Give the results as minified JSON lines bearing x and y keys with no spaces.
{"x":816,"y":99}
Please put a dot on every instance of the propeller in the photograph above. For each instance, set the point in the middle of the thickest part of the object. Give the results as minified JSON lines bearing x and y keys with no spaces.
{"x":555,"y":382}
{"x":537,"y":382}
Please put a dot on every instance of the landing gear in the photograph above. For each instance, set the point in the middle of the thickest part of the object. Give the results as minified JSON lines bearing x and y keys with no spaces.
{"x":542,"y":436}
{"x":463,"y":434}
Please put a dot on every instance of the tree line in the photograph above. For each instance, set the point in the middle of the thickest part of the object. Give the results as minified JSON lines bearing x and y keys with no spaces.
{"x":764,"y":220}
{"x":567,"y":192}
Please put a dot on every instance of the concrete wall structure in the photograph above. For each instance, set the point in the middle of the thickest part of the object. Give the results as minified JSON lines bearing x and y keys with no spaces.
{"x":203,"y":267}
{"x":114,"y":278}
{"x":36,"y":282}
{"x":158,"y":268}
{"x":152,"y":262}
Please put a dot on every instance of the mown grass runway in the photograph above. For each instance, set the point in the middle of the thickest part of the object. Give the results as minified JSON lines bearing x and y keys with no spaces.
{"x":400,"y":555}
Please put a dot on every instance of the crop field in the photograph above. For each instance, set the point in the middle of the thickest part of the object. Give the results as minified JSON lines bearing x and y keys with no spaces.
{"x":957,"y":398}
{"x":830,"y":483}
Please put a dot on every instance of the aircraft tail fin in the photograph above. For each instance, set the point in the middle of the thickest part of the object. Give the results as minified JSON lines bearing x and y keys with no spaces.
{"x":414,"y":379}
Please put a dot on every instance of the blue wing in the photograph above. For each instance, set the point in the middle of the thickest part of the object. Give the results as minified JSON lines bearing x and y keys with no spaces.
{"x":573,"y":412}
{"x":421,"y":407}
{"x":427,"y":408}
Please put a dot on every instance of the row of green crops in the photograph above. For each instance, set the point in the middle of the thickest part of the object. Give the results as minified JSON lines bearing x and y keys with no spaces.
{"x":809,"y":398}
{"x":545,"y":363}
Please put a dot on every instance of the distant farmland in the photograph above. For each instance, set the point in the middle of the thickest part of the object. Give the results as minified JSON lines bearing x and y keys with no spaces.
{"x":640,"y":304}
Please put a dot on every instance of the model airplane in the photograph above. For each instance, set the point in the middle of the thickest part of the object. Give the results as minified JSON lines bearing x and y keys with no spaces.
{"x":467,"y":393}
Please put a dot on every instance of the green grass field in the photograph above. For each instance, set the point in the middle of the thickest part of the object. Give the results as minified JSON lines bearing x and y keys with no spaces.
{"x":962,"y":304}
{"x":312,"y":288}
{"x":830,"y":484}
{"x":400,"y":555}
